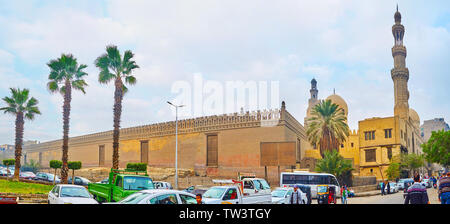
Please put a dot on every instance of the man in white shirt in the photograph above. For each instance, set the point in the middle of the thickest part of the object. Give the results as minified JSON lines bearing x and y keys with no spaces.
{"x":296,"y":196}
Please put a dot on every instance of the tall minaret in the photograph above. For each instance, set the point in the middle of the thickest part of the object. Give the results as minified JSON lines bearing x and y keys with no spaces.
{"x":314,"y":92}
{"x":400,"y":73}
{"x":313,"y":100}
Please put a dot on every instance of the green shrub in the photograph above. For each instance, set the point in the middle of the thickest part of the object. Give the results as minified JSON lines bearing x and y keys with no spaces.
{"x":74,"y":165}
{"x":9,"y":162}
{"x":137,"y":166}
{"x":55,"y":164}
{"x":32,"y":166}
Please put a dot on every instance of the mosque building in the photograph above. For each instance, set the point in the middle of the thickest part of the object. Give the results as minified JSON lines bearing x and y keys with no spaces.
{"x":377,"y":140}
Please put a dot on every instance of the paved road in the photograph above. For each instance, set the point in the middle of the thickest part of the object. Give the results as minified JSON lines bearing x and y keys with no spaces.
{"x":396,"y":198}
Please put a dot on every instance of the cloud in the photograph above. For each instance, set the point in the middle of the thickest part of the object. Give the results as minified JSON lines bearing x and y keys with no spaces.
{"x":345,"y":45}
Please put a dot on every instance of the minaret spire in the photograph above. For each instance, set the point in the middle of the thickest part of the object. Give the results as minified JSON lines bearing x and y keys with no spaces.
{"x":400,"y":73}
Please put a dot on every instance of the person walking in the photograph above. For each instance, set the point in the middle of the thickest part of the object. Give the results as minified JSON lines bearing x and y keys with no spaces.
{"x":296,"y":196}
{"x":382,"y":188}
{"x":388,"y":186}
{"x":344,"y":194}
{"x":417,"y":193}
{"x":444,"y":189}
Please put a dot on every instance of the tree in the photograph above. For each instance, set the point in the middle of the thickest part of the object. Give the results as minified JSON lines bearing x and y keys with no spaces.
{"x":437,"y":149}
{"x":393,"y":171}
{"x":413,"y":162}
{"x":23,"y":107}
{"x":113,"y":67}
{"x":55,"y":164}
{"x":327,"y":127}
{"x":9,"y":162}
{"x":65,"y":75}
{"x":75,"y":165}
{"x":335,"y":164}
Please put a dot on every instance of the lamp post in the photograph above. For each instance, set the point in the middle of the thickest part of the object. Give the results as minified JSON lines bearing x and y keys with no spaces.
{"x":176,"y":142}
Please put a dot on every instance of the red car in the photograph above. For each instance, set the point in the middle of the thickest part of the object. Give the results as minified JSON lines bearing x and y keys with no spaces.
{"x":27,"y":175}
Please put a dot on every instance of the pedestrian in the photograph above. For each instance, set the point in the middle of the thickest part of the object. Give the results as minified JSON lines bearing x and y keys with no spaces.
{"x":382,"y":188}
{"x":444,"y":189}
{"x":344,"y":194}
{"x":296,"y":196}
{"x":199,"y":199}
{"x":417,"y":193}
{"x":388,"y":186}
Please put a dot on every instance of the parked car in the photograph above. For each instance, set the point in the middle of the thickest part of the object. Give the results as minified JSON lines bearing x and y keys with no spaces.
{"x":195,"y":190}
{"x":159,"y":196}
{"x":162,"y":185}
{"x":27,"y":175}
{"x":232,"y":194}
{"x":70,"y":194}
{"x":47,"y":177}
{"x":3,"y":173}
{"x":104,"y":181}
{"x":79,"y":181}
{"x":282,"y":195}
{"x":400,"y":183}
{"x":393,"y":188}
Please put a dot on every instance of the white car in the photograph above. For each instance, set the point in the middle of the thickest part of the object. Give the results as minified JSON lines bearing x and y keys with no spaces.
{"x":282,"y":195}
{"x":393,"y":188}
{"x":426,"y":183}
{"x":70,"y":194}
{"x":162,"y":185}
{"x":159,"y":196}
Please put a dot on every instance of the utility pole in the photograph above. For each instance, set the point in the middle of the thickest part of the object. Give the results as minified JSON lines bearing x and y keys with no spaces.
{"x":176,"y":142}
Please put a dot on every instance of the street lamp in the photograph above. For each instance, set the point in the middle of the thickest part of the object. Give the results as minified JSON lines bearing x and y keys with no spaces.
{"x":176,"y":142}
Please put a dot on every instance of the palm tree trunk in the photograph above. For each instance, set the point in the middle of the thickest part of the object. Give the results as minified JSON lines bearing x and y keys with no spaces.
{"x":19,"y":140}
{"x":118,"y":96}
{"x":66,"y":117}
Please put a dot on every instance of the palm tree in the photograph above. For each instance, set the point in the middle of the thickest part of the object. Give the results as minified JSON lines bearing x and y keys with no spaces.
{"x":66,"y":74}
{"x":113,"y":67}
{"x":335,"y":164}
{"x":24,"y":107}
{"x":327,"y":127}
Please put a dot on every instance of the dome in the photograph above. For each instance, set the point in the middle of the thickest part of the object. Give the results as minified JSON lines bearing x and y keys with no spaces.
{"x":414,"y":116}
{"x":336,"y":99}
{"x":398,"y":17}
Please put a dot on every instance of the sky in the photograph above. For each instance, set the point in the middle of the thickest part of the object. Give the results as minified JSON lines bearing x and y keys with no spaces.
{"x":344,"y":45}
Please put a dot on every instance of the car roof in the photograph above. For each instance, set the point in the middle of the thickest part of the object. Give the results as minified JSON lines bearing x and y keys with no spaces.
{"x":284,"y":188}
{"x":69,"y":185}
{"x":156,"y":191}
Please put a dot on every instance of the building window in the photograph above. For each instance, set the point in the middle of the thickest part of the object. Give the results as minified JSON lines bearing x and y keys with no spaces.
{"x":401,"y":133}
{"x":342,"y":145}
{"x":387,"y":133}
{"x":371,"y":155}
{"x":211,"y":150}
{"x":298,"y":150}
{"x":144,"y":152}
{"x":369,"y":135}
{"x":352,"y":144}
{"x":389,"y":153}
{"x":101,"y":155}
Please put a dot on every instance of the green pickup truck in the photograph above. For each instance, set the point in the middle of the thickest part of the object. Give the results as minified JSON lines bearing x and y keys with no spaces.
{"x":121,"y":183}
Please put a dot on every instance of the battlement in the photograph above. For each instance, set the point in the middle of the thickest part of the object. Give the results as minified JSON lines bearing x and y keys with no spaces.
{"x":249,"y":119}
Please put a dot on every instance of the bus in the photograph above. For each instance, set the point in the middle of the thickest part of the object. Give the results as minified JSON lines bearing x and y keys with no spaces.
{"x":289,"y":179}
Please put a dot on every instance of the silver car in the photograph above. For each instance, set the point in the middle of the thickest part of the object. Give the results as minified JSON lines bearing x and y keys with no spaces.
{"x":159,"y":196}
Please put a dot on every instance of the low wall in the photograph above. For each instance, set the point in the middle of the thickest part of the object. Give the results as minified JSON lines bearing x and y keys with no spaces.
{"x":365,"y":188}
{"x":364,"y":181}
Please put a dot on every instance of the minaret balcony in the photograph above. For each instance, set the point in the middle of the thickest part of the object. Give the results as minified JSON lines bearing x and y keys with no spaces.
{"x":400,"y":73}
{"x":399,"y":50}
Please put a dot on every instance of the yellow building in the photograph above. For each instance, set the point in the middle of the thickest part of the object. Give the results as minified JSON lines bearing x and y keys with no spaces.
{"x":378,"y":140}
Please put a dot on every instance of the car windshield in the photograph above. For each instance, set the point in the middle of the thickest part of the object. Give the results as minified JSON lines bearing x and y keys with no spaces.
{"x":134,"y":198}
{"x":137,"y":183}
{"x":264,"y":184}
{"x":80,"y":192}
{"x":215,"y":192}
{"x":278,"y":193}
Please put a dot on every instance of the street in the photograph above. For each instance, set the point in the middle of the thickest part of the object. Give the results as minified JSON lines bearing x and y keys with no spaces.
{"x":396,"y":198}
